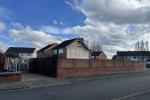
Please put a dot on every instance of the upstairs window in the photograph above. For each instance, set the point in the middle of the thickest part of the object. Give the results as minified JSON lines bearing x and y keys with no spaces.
{"x":60,"y":50}
{"x":92,"y":57}
{"x":55,"y":51}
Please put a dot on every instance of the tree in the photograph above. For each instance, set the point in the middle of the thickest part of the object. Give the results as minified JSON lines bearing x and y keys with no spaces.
{"x":93,"y":45}
{"x":140,"y":46}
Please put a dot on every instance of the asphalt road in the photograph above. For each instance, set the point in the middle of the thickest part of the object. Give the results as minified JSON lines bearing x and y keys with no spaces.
{"x":95,"y":90}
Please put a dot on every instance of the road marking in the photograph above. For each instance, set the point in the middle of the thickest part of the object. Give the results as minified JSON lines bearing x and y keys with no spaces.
{"x":132,"y":95}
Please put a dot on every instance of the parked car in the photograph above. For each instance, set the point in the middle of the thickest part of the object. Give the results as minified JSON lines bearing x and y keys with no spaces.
{"x":148,"y":65}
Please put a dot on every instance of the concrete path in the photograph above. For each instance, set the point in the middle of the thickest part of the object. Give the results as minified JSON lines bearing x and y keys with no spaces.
{"x":34,"y":77}
{"x":61,"y":81}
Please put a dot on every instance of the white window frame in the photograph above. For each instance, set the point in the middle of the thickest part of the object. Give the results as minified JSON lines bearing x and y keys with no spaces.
{"x":22,"y":54}
{"x":61,"y":50}
{"x":55,"y":51}
{"x":29,"y":54}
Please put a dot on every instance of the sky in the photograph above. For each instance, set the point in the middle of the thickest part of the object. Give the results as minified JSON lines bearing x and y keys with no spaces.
{"x":116,"y":24}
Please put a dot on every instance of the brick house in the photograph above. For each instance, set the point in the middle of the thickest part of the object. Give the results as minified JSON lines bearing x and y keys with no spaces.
{"x":133,"y":55}
{"x":99,"y":55}
{"x":46,"y":51}
{"x":74,"y":48}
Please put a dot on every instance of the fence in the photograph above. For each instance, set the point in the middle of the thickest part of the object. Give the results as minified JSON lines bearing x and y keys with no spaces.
{"x":84,"y":67}
{"x":46,"y":66}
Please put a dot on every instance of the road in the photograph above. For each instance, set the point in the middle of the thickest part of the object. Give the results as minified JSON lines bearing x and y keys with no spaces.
{"x":95,"y":90}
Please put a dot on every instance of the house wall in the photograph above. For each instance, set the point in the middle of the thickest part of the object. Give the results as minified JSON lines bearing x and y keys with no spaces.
{"x":78,"y":51}
{"x":49,"y":52}
{"x":34,"y":55}
{"x":102,"y":56}
{"x":130,"y":58}
{"x":85,"y":67}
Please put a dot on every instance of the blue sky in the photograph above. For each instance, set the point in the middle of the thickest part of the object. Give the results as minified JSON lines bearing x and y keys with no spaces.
{"x":38,"y":13}
{"x":116,"y":24}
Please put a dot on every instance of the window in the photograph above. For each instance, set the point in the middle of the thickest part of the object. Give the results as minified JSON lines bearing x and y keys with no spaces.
{"x":54,"y":51}
{"x":29,"y":54}
{"x":120,"y":57}
{"x":22,"y":54}
{"x":97,"y":57}
{"x":92,"y":57}
{"x":145,"y":58}
{"x":134,"y":57}
{"x":140,"y":58}
{"x":60,"y":50}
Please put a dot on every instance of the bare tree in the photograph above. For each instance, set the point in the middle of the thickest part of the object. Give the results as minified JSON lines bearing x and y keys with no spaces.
{"x":93,"y":45}
{"x":140,"y":46}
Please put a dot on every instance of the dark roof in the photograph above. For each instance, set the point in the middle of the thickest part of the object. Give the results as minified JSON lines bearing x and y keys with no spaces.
{"x":65,"y":43}
{"x":46,"y":47}
{"x":114,"y":57}
{"x":133,"y":53}
{"x":20,"y":50}
{"x":96,"y":53}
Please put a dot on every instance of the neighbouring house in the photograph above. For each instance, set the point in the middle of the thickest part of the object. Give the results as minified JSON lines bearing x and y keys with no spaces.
{"x":46,"y":51}
{"x":114,"y":57}
{"x":22,"y":52}
{"x":74,"y":49}
{"x":99,"y":55}
{"x":133,"y":55}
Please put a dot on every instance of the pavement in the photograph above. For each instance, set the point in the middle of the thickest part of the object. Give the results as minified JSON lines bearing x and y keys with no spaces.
{"x":62,"y":81}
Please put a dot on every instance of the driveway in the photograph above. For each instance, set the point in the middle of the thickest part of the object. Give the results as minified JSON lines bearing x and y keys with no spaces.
{"x":34,"y":77}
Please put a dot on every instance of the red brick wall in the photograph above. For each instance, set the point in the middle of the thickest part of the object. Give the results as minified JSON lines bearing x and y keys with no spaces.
{"x":87,"y":67}
{"x":49,"y":51}
{"x":10,"y":77}
{"x":103,"y":56}
{"x":6,"y":63}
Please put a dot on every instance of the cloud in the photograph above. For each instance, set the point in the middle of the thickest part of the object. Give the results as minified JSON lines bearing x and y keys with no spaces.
{"x":115,"y":23}
{"x":18,"y":25}
{"x":3,"y":47}
{"x":2,"y":26}
{"x":55,"y":22}
{"x":55,"y":30}
{"x":32,"y":37}
{"x":4,"y":13}
{"x":61,"y":23}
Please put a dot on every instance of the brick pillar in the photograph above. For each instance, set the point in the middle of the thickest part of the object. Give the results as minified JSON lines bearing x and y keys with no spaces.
{"x":132,"y":64}
{"x":6,"y":63}
{"x":58,"y":66}
{"x":74,"y":63}
{"x":90,"y":63}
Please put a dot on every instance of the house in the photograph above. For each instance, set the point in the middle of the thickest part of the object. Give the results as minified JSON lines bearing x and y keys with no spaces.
{"x":74,"y":48}
{"x":46,"y":51}
{"x":133,"y":55}
{"x":99,"y":55}
{"x":114,"y":57}
{"x":22,"y":52}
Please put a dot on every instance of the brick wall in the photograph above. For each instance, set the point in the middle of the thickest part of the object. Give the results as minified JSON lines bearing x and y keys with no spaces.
{"x":49,"y":51}
{"x":9,"y":77}
{"x":103,"y":56}
{"x":6,"y":63}
{"x":85,"y":67}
